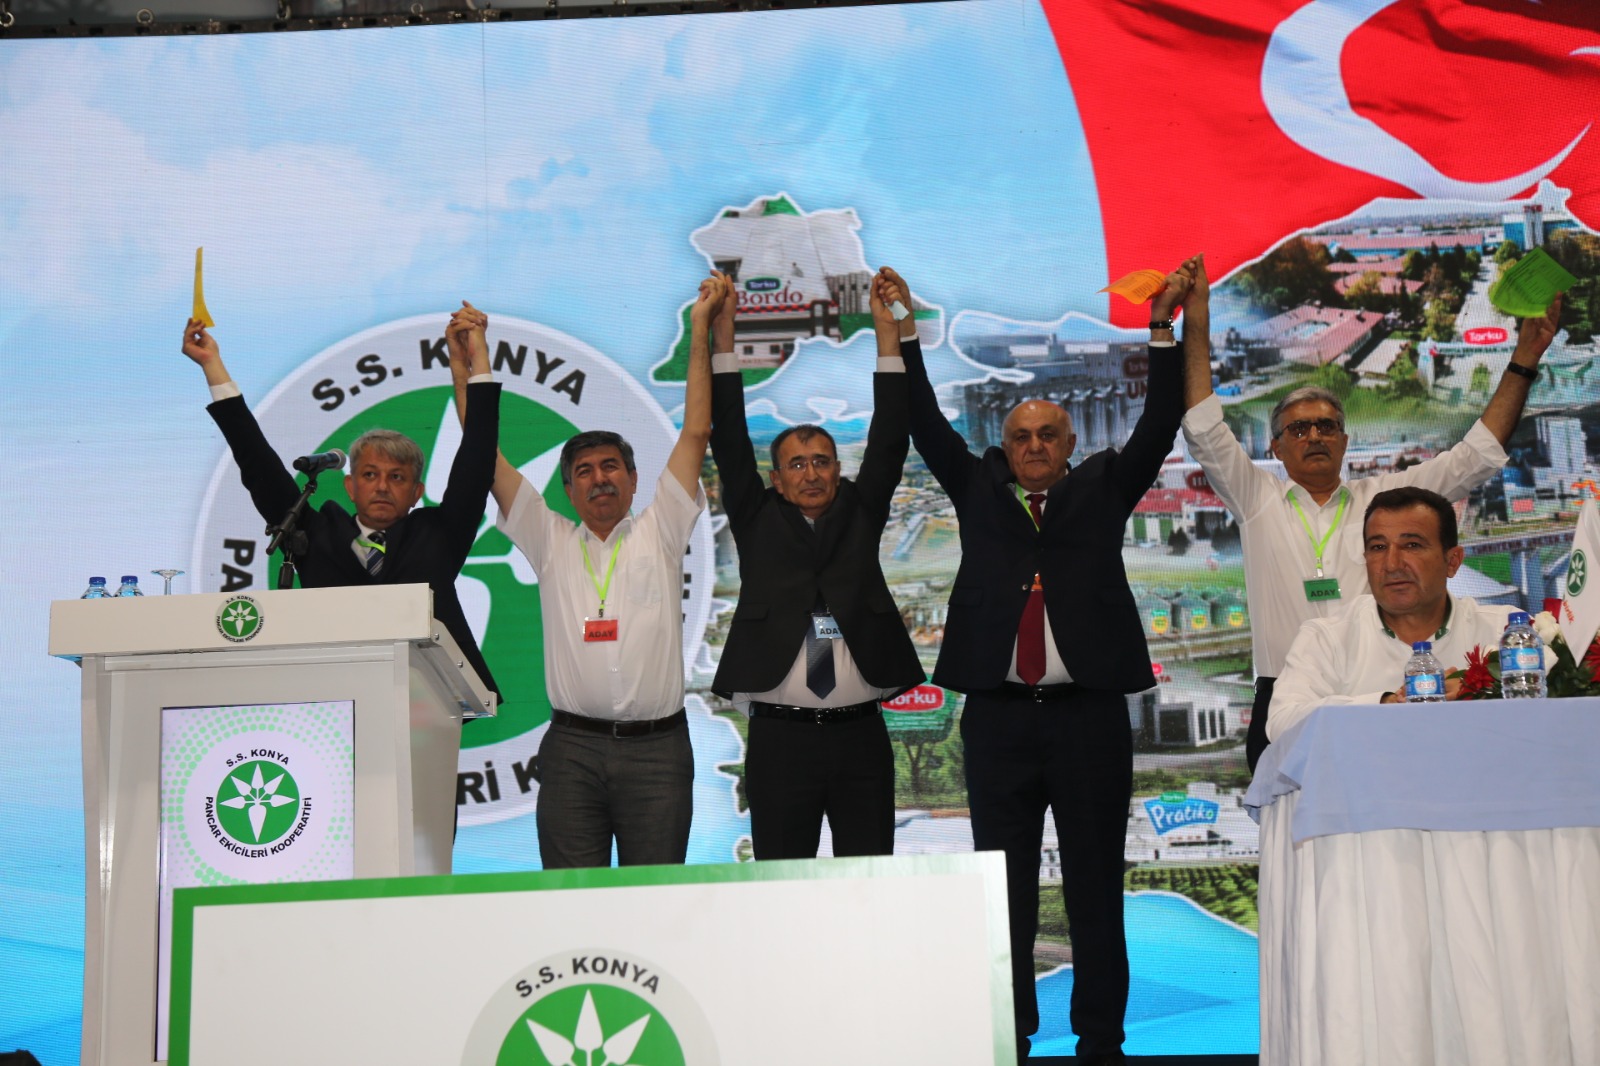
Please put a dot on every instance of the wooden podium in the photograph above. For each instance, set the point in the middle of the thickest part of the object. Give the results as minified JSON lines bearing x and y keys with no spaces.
{"x":372,"y":660}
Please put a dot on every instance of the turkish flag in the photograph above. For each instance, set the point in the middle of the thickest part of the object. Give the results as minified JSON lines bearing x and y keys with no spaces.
{"x":1227,"y":127}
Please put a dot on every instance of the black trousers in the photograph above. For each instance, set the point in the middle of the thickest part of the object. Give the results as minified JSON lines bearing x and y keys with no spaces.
{"x":1072,"y":754}
{"x":1255,"y":738}
{"x":796,"y":772}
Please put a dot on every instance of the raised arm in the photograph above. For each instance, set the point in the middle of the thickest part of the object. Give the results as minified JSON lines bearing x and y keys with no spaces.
{"x":1533,"y":338}
{"x":467,"y":340}
{"x":472,"y":472}
{"x":888,"y":434}
{"x":690,"y":451}
{"x":272,"y":488}
{"x":1196,"y":334}
{"x":941,"y":447}
{"x":731,"y":448}
{"x":1139,"y":462}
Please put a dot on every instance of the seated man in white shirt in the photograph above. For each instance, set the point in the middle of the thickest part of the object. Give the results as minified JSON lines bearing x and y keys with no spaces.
{"x":1359,"y":657}
{"x":615,"y":763}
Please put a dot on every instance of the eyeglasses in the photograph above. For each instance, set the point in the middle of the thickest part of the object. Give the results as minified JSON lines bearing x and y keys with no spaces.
{"x":1325,"y":427}
{"x":820,"y":463}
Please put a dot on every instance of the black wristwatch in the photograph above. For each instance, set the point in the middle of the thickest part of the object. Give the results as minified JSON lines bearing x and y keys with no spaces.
{"x":1529,"y":372}
{"x":1165,"y":323}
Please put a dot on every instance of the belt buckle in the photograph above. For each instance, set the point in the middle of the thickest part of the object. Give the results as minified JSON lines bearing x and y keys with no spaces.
{"x":616,"y":730}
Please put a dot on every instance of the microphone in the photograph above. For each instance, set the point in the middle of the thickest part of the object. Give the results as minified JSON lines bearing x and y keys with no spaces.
{"x":316,"y":464}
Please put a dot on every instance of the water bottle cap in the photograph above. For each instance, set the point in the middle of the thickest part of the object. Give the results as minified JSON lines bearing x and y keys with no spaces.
{"x":97,"y":581}
{"x":130,"y":579}
{"x":1422,"y":645}
{"x":1518,"y":618}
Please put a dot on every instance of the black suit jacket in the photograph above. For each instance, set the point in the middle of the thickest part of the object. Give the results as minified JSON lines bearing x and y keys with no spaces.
{"x":1077,"y":552}
{"x":427,"y":546}
{"x":784,"y":562}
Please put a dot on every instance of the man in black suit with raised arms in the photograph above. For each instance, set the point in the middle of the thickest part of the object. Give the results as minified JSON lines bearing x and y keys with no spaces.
{"x":816,"y":641}
{"x":1043,"y":636}
{"x":389,"y":541}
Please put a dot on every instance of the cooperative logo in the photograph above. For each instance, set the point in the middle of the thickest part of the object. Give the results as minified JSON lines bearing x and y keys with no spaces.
{"x":397,"y":376}
{"x":591,"y":1007}
{"x":1577,"y":572}
{"x":239,"y":619}
{"x":1174,"y":810}
{"x":258,"y":803}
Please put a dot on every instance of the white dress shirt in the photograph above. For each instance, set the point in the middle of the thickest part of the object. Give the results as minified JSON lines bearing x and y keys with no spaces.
{"x":639,"y":675}
{"x":1353,"y":658}
{"x":1279,"y":556}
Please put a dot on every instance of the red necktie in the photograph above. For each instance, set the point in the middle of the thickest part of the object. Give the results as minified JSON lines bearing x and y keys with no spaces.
{"x":1030,"y":634}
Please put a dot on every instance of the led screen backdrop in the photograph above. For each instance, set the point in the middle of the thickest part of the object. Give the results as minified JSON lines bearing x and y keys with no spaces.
{"x":1358,"y":172}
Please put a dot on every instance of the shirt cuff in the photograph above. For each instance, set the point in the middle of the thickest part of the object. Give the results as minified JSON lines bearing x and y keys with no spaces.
{"x":479,"y":379}
{"x":1163,"y":344}
{"x":1203,"y":416}
{"x":891,"y":364}
{"x":227,"y":390}
{"x":725,"y":363}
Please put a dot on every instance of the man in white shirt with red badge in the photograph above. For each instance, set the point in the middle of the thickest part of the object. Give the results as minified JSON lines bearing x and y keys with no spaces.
{"x":615,"y":763}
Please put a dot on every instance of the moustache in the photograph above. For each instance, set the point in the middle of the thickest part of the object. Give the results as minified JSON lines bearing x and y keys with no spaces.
{"x":602,"y":490}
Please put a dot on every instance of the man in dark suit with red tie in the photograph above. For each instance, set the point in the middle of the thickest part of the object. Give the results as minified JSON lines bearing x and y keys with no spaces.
{"x":1043,"y":636}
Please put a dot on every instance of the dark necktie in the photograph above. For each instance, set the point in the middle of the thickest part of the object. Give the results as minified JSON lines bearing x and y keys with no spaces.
{"x":1030,"y":634}
{"x":375,"y":553}
{"x":819,"y":656}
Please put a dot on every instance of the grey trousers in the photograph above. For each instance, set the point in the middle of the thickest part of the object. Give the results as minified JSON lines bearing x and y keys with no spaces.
{"x":593,"y":788}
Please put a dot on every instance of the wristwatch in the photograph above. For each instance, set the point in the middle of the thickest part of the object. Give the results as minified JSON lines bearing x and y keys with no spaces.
{"x":1166,"y":323}
{"x":1529,"y":372}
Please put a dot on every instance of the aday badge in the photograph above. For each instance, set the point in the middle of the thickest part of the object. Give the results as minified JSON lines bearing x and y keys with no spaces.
{"x":1322,"y":589}
{"x":599,"y":629}
{"x":825,"y":627}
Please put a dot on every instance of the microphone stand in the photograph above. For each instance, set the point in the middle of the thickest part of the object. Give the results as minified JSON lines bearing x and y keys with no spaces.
{"x":289,"y":533}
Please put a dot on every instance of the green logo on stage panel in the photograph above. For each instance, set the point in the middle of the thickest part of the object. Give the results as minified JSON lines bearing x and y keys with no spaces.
{"x":1577,"y":573}
{"x":239,"y":619}
{"x":591,"y":1007}
{"x":257,"y":802}
{"x":591,"y":1024}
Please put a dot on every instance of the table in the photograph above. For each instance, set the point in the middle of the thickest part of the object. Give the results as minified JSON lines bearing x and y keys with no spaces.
{"x":1430,"y":885}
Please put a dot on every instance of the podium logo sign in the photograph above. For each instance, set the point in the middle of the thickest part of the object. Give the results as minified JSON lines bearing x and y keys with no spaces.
{"x":239,"y":619}
{"x":591,"y":1006}
{"x":258,"y":803}
{"x":397,"y":376}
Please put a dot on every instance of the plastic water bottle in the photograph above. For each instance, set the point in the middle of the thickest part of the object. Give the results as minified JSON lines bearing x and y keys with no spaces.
{"x":96,"y":589}
{"x":130,"y":586}
{"x":1521,"y":659}
{"x":1424,"y":675}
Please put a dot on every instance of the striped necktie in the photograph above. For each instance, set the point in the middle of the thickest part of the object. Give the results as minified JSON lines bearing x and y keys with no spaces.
{"x":375,"y":550}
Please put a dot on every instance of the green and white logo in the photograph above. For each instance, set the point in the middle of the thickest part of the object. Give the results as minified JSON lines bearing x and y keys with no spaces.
{"x":257,"y":802}
{"x":1577,"y":573}
{"x":396,"y":376}
{"x":239,"y":619}
{"x":591,"y":1007}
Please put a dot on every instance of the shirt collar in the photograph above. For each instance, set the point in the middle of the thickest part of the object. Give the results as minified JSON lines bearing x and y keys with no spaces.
{"x":1305,"y":494}
{"x":1444,"y":627}
{"x":621,"y":527}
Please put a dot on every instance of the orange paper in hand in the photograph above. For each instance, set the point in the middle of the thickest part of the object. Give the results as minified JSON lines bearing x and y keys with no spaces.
{"x":200,"y":315}
{"x":1138,"y":287}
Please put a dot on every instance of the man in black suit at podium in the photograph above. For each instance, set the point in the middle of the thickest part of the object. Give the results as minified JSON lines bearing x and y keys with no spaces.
{"x":1043,"y":636}
{"x":386,"y":542}
{"x":816,"y":641}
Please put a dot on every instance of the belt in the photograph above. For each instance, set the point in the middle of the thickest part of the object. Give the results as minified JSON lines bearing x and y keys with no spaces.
{"x":619,"y":730}
{"x":816,"y":715}
{"x":1011,"y":690}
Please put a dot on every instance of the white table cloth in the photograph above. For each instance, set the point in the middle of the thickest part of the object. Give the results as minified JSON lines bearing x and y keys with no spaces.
{"x":1430,"y":886}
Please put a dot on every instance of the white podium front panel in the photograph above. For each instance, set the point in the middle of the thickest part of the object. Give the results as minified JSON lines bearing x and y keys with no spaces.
{"x":848,"y":961}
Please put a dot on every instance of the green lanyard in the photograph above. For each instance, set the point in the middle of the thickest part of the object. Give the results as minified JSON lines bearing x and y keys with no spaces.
{"x":1321,"y":545}
{"x":601,"y":590}
{"x":1022,"y":498}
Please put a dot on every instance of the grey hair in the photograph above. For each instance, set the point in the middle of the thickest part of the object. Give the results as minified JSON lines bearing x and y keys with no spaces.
{"x":1301,"y":395}
{"x":594,"y":438}
{"x":392,"y":445}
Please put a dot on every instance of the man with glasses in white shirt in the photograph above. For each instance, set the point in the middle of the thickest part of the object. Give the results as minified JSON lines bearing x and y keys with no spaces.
{"x":1301,"y":536}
